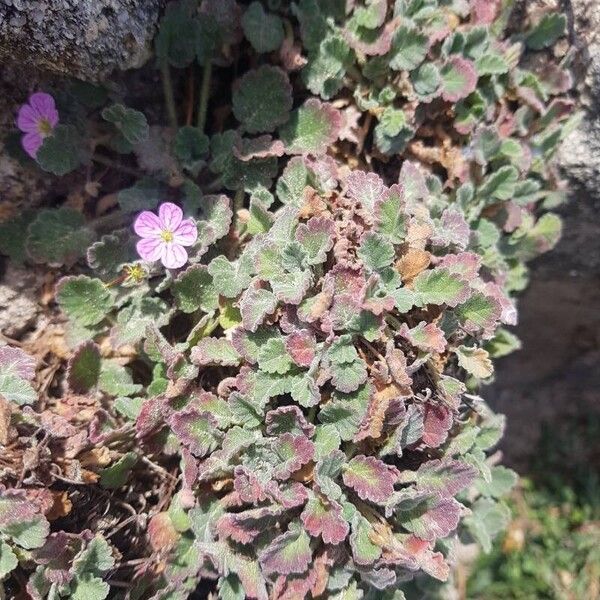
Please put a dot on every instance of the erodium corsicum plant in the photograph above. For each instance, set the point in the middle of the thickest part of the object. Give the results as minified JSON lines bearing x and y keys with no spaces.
{"x":278,"y":336}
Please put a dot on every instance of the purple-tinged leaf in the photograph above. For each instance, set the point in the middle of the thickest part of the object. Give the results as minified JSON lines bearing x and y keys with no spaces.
{"x":370,"y":478}
{"x":312,"y":128}
{"x":248,"y":485}
{"x":475,"y":361}
{"x":264,"y":146}
{"x":367,"y":189}
{"x":292,"y":452}
{"x":288,"y":553}
{"x":364,"y":550}
{"x":390,"y":213}
{"x":255,"y":305}
{"x":433,"y":519}
{"x":425,"y":336}
{"x":218,"y":408}
{"x":484,"y":12}
{"x":323,"y":517}
{"x":479,"y":313}
{"x":215,"y":351}
{"x":465,"y":264}
{"x":452,"y":230}
{"x":301,"y":346}
{"x":17,"y":361}
{"x":445,"y":477}
{"x":459,"y":79}
{"x":316,"y":237}
{"x":290,"y":494}
{"x":412,"y":183}
{"x":247,"y":344}
{"x":288,"y":419}
{"x":437,"y":421}
{"x":305,"y":391}
{"x":291,"y":287}
{"x":83,"y":369}
{"x":348,"y":377}
{"x":196,"y":430}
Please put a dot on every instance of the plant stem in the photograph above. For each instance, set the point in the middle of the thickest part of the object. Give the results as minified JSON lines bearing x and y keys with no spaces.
{"x":108,"y":162}
{"x":204,"y":93}
{"x":165,"y":72}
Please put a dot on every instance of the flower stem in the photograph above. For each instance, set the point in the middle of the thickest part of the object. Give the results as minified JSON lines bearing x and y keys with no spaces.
{"x":165,"y":72}
{"x":204,"y":93}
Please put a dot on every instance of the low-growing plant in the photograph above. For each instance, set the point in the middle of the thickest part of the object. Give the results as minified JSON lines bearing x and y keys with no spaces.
{"x":278,"y":335}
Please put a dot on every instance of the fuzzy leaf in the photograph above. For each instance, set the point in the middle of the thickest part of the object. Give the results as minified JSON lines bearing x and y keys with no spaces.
{"x":459,"y":79}
{"x":117,"y":474}
{"x":58,"y":236}
{"x":14,"y":388}
{"x":370,"y":478}
{"x":255,"y":305}
{"x":324,"y":73}
{"x":61,"y":152}
{"x":500,"y":185}
{"x":292,"y":452}
{"x":301,"y":346}
{"x":312,"y":128}
{"x":288,"y":553}
{"x":83,"y":369}
{"x":191,"y":148}
{"x":84,"y":300}
{"x":323,"y":518}
{"x":116,"y":380}
{"x":288,"y":419}
{"x":196,"y":430}
{"x":131,"y":123}
{"x":316,"y":237}
{"x":440,"y":286}
{"x":409,"y":48}
{"x":194,"y":289}
{"x":8,"y":560}
{"x":108,"y":255}
{"x":479,"y":312}
{"x":273,"y":357}
{"x":445,"y":477}
{"x":547,"y":31}
{"x":291,"y":287}
{"x":263,"y":99}
{"x":486,"y":520}
{"x":389,"y":211}
{"x":425,"y":336}
{"x":475,"y":361}
{"x":433,"y":518}
{"x":215,"y":351}
{"x":17,"y":361}
{"x":177,"y":35}
{"x":376,"y":251}
{"x":230,"y":278}
{"x":263,"y":30}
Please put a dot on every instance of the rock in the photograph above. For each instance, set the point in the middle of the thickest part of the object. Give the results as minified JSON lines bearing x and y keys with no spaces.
{"x":86,"y":39}
{"x":580,"y":153}
{"x":18,"y":306}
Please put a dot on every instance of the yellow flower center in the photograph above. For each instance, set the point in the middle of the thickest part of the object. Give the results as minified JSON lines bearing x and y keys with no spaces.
{"x":135,"y":272}
{"x":166,"y":236}
{"x":44,"y":127}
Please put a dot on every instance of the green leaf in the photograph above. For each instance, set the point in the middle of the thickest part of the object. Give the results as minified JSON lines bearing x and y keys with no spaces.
{"x":475,"y":361}
{"x":440,"y":286}
{"x":326,"y":68}
{"x":263,"y":99}
{"x":131,"y":123}
{"x":263,"y":30}
{"x":273,"y":357}
{"x":96,"y":558}
{"x":8,"y":560}
{"x":12,"y":237}
{"x":426,"y":80}
{"x":134,"y":319}
{"x":409,"y":48}
{"x":108,"y":255}
{"x":16,"y":389}
{"x":376,"y":251}
{"x":178,"y":34}
{"x":89,"y":588}
{"x":191,"y":147}
{"x":487,"y":519}
{"x":547,"y":31}
{"x":116,"y":475}
{"x":231,"y":278}
{"x":500,"y":185}
{"x":393,"y":132}
{"x":58,"y":236}
{"x":194,"y":289}
{"x":83,"y":299}
{"x":61,"y":152}
{"x":459,"y":79}
{"x":115,"y":380}
{"x":145,"y":194}
{"x":28,"y":533}
{"x":491,"y":64}
{"x":215,"y":351}
{"x":83,"y":369}
{"x":311,"y":129}
{"x":255,"y":305}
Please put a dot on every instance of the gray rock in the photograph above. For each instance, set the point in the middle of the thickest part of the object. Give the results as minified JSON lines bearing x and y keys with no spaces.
{"x":580,"y":153}
{"x":18,"y":306}
{"x":81,"y":38}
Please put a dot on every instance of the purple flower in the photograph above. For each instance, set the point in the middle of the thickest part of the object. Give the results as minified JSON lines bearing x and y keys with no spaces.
{"x":36,"y":120}
{"x":164,"y":236}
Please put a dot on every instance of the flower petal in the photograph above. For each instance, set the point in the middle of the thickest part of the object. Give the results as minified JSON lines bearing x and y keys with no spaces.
{"x":42,"y":103}
{"x":173,"y":256}
{"x":31,"y":143}
{"x":170,"y":216}
{"x":150,"y":249}
{"x":27,"y":119}
{"x":186,"y":234}
{"x":147,"y":225}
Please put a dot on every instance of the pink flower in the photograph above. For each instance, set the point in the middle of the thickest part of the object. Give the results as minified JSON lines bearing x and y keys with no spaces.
{"x":36,"y":120}
{"x":164,"y":236}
